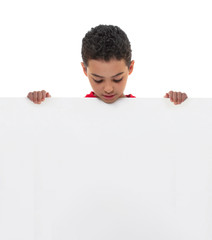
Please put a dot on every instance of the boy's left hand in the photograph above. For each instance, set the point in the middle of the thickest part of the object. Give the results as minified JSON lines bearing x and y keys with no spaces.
{"x":176,"y":97}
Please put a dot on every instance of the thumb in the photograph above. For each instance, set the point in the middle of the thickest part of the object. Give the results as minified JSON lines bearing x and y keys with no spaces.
{"x":48,"y":95}
{"x":167,"y":95}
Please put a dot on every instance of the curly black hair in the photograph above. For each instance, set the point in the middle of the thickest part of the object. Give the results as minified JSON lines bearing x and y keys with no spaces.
{"x":106,"y":42}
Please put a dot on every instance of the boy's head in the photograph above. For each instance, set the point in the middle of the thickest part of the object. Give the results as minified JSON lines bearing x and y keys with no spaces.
{"x":106,"y":52}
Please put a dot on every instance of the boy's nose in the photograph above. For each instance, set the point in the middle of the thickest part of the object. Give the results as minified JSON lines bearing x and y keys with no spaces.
{"x":108,"y":89}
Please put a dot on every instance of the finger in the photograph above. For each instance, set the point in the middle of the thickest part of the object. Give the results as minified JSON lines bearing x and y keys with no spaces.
{"x":179,"y":96}
{"x":30,"y":96}
{"x":184,"y":96}
{"x":35,"y":96}
{"x":43,"y":94}
{"x":175,"y":96}
{"x":171,"y":95}
{"x":39,"y":95}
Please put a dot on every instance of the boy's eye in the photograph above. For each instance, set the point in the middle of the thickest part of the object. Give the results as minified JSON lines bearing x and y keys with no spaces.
{"x":113,"y":80}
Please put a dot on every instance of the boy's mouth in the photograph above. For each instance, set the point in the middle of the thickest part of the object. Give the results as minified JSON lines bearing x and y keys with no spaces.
{"x":108,"y":96}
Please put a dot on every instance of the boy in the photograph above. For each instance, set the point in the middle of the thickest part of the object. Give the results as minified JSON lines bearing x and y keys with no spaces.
{"x":106,"y":54}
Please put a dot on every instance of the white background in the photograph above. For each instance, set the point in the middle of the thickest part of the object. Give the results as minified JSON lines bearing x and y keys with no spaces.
{"x":40,"y":45}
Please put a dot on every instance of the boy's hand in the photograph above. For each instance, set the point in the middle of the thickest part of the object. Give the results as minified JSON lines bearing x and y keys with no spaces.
{"x":38,"y":96}
{"x":176,"y":97}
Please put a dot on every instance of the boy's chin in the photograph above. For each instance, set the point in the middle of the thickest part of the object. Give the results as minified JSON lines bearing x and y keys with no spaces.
{"x":109,"y":100}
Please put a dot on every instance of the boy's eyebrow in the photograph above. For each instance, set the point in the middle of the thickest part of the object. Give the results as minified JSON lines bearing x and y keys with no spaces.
{"x":103,"y":77}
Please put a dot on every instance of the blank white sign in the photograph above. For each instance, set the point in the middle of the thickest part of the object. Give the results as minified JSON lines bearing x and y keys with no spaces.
{"x":81,"y":169}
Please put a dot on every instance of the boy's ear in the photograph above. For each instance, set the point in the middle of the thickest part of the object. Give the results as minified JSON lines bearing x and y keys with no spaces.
{"x":84,"y":69}
{"x":131,"y":67}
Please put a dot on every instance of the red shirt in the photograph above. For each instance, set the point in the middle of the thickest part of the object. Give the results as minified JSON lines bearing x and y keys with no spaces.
{"x":91,"y":94}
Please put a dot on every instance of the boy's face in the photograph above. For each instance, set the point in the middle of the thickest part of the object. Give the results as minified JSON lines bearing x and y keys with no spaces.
{"x":103,"y":76}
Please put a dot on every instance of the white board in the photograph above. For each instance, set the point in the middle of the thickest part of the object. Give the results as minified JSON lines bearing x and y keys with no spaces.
{"x":81,"y":169}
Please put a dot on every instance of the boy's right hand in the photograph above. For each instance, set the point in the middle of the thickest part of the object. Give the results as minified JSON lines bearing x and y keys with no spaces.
{"x":38,"y":96}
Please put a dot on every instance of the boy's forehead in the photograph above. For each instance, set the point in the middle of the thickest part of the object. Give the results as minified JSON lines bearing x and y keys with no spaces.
{"x":101,"y":65}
